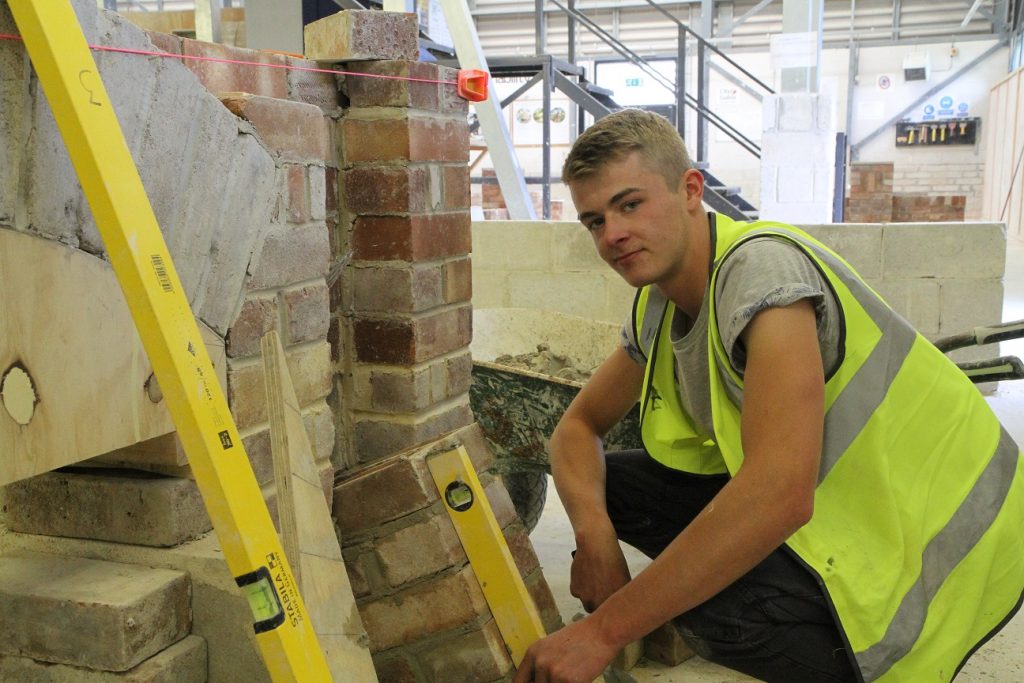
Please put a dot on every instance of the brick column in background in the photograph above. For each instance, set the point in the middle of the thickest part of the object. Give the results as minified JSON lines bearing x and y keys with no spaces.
{"x":425,"y":614}
{"x":870,"y":199}
{"x":405,"y":299}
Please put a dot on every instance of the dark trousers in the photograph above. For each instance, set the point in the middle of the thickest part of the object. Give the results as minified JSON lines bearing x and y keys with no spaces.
{"x":774,"y":623}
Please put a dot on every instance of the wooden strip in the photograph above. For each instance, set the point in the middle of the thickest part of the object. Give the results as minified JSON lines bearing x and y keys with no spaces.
{"x":308,"y":530}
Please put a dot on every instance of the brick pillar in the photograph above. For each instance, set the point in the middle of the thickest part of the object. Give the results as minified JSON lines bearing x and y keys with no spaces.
{"x":400,"y":329}
{"x":404,"y":304}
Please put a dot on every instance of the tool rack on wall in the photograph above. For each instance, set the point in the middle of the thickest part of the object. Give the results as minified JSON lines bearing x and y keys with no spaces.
{"x":956,"y":131}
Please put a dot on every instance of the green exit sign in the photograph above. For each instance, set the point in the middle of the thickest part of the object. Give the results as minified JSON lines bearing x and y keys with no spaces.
{"x":634,"y":82}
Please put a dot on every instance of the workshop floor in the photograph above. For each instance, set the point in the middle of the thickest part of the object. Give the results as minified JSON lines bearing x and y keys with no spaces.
{"x":1001,"y":660}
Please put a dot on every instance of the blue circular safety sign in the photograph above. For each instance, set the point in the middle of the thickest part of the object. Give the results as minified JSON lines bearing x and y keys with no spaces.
{"x":929,"y":110}
{"x":946,"y":102}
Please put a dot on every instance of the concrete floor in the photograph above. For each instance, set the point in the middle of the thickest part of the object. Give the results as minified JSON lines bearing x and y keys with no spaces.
{"x":1001,"y":659}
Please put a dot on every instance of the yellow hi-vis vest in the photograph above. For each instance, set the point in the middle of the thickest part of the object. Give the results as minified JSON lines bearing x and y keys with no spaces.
{"x":917,"y":535}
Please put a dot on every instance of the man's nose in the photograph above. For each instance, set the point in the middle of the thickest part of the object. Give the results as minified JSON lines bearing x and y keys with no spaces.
{"x":614,"y":230}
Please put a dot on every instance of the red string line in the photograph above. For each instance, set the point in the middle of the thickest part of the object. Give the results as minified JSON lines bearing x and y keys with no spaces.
{"x":150,"y":53}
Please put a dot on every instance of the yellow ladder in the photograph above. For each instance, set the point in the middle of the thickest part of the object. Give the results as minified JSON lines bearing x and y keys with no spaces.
{"x":142,"y":263}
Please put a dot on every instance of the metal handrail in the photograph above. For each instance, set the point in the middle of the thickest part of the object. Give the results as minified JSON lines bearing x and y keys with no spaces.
{"x":705,"y":44}
{"x":618,"y":46}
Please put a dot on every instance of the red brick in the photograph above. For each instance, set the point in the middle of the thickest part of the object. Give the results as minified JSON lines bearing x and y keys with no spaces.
{"x":538,"y":588}
{"x":331,"y":185}
{"x":334,"y":338}
{"x":307,"y":312}
{"x":479,"y":655}
{"x":164,"y":42}
{"x":290,"y":255}
{"x":310,"y":370}
{"x":450,"y":100}
{"x":412,"y":238}
{"x":394,"y":669}
{"x":326,"y":471}
{"x":459,"y":373}
{"x":381,"y":494}
{"x":258,"y":316}
{"x":295,"y":130}
{"x":357,"y":574}
{"x":312,"y":87}
{"x":366,"y":91}
{"x":382,"y":289}
{"x":219,"y":77}
{"x":298,"y":193}
{"x":374,"y":139}
{"x":456,"y":187}
{"x":413,"y":341}
{"x":449,"y":602}
{"x":261,"y":458}
{"x":458,"y":281}
{"x":522,"y":550}
{"x":501,"y":504}
{"x":419,"y":550}
{"x":376,"y":439}
{"x":385,"y":189}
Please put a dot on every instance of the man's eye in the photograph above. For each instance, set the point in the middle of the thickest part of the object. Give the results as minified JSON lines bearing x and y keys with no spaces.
{"x":595,"y":224}
{"x":630,"y":205}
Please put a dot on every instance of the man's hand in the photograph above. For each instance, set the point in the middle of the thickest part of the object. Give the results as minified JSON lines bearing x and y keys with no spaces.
{"x":598,"y":569}
{"x":576,"y":654}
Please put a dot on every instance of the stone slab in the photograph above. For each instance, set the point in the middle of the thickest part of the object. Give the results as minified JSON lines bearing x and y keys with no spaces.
{"x":89,"y":613}
{"x":183,"y":662}
{"x":124,"y":506}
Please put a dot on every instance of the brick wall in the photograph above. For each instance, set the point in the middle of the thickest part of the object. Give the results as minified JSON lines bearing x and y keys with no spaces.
{"x":290,"y":113}
{"x":944,"y":179}
{"x":876,"y":196}
{"x":338,"y":209}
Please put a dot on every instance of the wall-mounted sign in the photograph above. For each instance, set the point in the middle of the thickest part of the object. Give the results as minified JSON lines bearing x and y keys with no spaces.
{"x":929,"y":113}
{"x":884,"y":82}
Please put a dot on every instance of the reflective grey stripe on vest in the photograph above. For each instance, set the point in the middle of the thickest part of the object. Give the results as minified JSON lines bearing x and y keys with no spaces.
{"x":653,"y":313}
{"x":866,"y":390}
{"x":941,"y":556}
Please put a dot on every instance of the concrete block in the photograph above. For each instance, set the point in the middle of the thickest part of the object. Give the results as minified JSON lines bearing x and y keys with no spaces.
{"x":183,"y":662}
{"x":969,"y":303}
{"x":573,"y":248}
{"x":124,"y":506}
{"x":918,"y":301}
{"x":945,"y":250}
{"x":533,"y":242}
{"x":797,"y":112}
{"x":490,"y":287}
{"x":576,"y":291}
{"x":795,"y":185}
{"x":859,"y":245}
{"x":89,"y":613}
{"x":352,"y":35}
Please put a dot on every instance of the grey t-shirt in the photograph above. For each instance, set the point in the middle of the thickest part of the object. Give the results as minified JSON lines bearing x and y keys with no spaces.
{"x":759,"y":274}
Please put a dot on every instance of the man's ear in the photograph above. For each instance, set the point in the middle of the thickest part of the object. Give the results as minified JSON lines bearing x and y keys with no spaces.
{"x":693,"y":182}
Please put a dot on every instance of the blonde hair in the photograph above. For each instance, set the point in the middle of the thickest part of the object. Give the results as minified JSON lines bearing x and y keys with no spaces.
{"x":619,"y":134}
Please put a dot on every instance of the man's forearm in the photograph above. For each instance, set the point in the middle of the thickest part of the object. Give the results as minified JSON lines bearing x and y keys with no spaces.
{"x":577,"y":465}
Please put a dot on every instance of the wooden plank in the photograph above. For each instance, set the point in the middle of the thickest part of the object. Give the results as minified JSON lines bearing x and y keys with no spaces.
{"x":319,"y":569}
{"x":69,"y":329}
